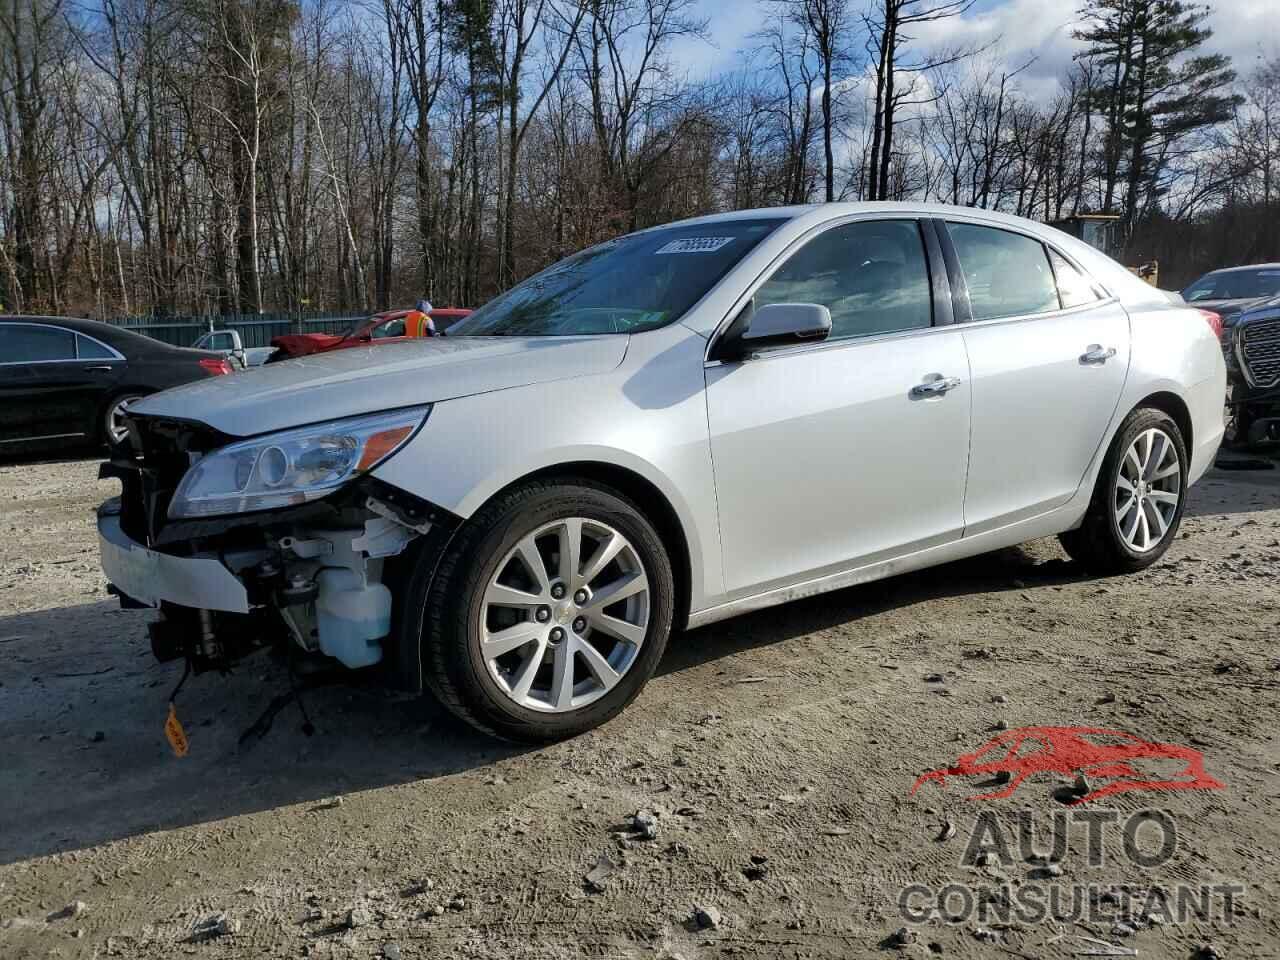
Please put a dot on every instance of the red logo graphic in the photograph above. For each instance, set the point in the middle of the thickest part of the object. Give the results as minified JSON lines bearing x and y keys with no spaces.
{"x":1120,"y":761}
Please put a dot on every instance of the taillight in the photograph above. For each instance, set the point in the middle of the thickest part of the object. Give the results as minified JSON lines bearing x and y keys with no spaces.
{"x":215,"y":368}
{"x":1214,"y":321}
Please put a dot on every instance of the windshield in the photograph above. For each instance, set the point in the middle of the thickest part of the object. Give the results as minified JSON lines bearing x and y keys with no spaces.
{"x":628,"y":285}
{"x":356,"y":327}
{"x":1235,"y":285}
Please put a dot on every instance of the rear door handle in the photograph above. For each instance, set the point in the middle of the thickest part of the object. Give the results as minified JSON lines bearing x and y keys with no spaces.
{"x":936,"y":387}
{"x":1095,"y":353}
{"x":102,"y":368}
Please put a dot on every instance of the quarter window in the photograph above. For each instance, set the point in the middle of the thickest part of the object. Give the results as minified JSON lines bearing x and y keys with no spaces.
{"x":87,"y":349}
{"x":872,"y":275}
{"x":1074,"y":288}
{"x":1008,"y":275}
{"x":27,"y":343}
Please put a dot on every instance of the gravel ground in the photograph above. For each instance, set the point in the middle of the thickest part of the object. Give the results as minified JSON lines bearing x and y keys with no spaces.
{"x":774,"y":757}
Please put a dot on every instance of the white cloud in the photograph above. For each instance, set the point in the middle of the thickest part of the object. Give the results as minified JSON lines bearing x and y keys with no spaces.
{"x":1023,"y":30}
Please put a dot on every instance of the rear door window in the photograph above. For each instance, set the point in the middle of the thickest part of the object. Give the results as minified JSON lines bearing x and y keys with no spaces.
{"x":28,"y":343}
{"x":1008,"y":274}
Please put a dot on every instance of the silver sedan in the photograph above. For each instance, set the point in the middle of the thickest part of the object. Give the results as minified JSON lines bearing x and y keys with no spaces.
{"x":659,"y":432}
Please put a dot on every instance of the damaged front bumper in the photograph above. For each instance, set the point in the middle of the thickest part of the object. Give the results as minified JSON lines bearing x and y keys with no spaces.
{"x":313,"y":575}
{"x":149,"y":577}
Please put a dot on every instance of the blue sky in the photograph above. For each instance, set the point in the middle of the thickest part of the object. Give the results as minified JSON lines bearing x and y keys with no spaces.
{"x":1245,"y":29}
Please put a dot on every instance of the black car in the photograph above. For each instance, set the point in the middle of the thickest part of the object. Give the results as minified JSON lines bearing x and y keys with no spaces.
{"x":1230,"y":293}
{"x":64,"y":383}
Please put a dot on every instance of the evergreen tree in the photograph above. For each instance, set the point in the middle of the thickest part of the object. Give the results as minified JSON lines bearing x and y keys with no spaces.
{"x":1156,"y":89}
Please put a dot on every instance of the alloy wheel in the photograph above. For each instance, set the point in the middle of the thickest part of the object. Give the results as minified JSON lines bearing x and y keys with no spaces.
{"x":1148,"y":490}
{"x":565,"y":615}
{"x":117,"y":432}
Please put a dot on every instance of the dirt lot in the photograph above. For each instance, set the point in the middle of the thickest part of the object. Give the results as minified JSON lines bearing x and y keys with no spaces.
{"x":777,"y":753}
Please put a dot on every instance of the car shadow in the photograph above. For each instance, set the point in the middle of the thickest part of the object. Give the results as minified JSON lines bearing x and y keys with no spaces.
{"x":83,"y":706}
{"x":82,"y":712}
{"x":1013,"y":568}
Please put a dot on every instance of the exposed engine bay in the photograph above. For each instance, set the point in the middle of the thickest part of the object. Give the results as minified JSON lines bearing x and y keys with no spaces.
{"x":311,"y":575}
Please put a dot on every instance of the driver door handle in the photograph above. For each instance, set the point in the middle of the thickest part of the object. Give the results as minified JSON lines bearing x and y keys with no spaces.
{"x":1095,"y":353}
{"x":935,"y":388}
{"x":101,"y":368}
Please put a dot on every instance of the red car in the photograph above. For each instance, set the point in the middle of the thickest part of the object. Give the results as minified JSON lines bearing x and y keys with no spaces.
{"x":379,"y":329}
{"x":1116,"y":760}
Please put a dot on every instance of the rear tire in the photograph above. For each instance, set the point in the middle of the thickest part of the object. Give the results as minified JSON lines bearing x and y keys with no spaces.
{"x":534,"y":656}
{"x":1138,"y":500}
{"x":111,"y":431}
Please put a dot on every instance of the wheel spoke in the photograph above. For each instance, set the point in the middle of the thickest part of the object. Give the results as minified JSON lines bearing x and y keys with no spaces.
{"x":562,"y":673}
{"x":523,"y":677}
{"x":1130,"y":529}
{"x":1163,"y":496}
{"x":512,"y":638}
{"x":619,"y":629}
{"x":598,"y":665}
{"x":1122,"y":483}
{"x":1155,"y":521}
{"x":1169,"y":471}
{"x":527,"y":550}
{"x":628,"y":585}
{"x":1123,"y":511}
{"x":604,"y":553}
{"x":570,"y":534}
{"x":1132,"y":461}
{"x":1145,"y":529}
{"x":1156,"y":448}
{"x":505,"y":596}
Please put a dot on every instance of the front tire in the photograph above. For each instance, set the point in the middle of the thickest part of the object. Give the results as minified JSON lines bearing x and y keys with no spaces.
{"x":1138,"y":500}
{"x":549,"y":612}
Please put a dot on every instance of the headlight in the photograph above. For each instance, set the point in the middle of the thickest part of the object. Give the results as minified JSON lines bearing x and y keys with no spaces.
{"x":293,"y":466}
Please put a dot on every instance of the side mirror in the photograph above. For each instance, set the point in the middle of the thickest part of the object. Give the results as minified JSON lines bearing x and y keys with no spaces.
{"x":773,"y":325}
{"x":237,"y":346}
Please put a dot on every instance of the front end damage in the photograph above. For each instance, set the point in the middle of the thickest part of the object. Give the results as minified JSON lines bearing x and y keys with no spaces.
{"x":314,"y":576}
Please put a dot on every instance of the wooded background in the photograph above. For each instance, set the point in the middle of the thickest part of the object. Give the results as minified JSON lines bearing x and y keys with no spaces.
{"x":162,"y":157}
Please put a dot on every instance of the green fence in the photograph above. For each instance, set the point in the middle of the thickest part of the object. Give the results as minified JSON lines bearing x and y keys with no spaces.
{"x":255,"y":329}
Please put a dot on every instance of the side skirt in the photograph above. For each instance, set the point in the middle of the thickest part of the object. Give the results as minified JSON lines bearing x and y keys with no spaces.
{"x":1055,"y":521}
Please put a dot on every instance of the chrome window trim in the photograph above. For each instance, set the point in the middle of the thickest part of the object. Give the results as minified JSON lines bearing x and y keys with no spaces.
{"x":767,"y":271}
{"x":116,"y":355}
{"x":976,"y":221}
{"x":48,"y":436}
{"x":799,"y":349}
{"x":1047,"y":248}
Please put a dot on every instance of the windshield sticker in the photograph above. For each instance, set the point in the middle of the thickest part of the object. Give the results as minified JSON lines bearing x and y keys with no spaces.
{"x":694,"y":245}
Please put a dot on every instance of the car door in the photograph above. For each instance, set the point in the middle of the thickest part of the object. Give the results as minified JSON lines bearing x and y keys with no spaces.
{"x":52,"y":383}
{"x":1048,"y":354}
{"x":831,"y":455}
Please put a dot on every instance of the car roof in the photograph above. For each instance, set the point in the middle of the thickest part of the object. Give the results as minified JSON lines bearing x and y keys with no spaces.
{"x":122,"y":338}
{"x":91,"y":327}
{"x":1251,"y":266}
{"x":852,"y":208}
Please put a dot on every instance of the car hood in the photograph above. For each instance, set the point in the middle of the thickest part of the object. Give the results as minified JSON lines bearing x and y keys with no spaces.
{"x":1230,"y":310}
{"x":347,"y":383}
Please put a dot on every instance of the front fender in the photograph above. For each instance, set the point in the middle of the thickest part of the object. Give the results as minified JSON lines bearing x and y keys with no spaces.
{"x":647,"y":417}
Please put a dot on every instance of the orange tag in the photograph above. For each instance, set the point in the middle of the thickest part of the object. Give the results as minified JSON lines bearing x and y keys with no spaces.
{"x":174,"y":733}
